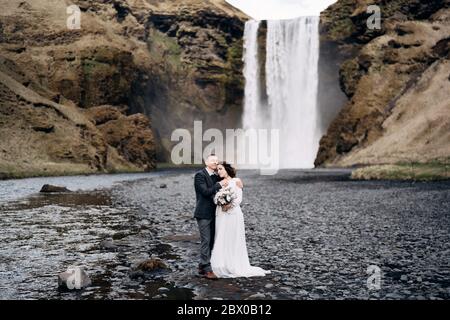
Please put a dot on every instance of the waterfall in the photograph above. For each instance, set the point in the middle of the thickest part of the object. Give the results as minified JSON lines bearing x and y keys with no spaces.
{"x":251,"y":74}
{"x":292,"y":52}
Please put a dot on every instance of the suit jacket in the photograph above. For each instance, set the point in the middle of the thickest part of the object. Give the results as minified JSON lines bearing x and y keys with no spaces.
{"x":206,"y":187}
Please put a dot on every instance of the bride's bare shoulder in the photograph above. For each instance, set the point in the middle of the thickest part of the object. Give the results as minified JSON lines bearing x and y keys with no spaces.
{"x":239,"y":183}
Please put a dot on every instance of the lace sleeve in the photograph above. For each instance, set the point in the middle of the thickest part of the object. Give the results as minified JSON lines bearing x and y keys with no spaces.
{"x":238,"y":196}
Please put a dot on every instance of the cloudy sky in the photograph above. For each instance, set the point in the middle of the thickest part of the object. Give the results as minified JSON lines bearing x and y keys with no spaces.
{"x":280,"y":9}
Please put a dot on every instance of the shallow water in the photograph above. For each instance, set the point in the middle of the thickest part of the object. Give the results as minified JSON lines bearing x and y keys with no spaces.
{"x":15,"y":189}
{"x":43,"y":234}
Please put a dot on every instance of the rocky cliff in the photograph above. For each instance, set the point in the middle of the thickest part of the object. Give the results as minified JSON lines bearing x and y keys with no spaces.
{"x":196,"y":74}
{"x":396,"y":80}
{"x":106,"y":97}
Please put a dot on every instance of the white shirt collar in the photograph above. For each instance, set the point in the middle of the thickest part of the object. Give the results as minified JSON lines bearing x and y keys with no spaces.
{"x":210,"y":172}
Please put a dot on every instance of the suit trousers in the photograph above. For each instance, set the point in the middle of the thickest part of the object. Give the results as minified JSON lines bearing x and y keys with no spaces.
{"x":207,"y":232}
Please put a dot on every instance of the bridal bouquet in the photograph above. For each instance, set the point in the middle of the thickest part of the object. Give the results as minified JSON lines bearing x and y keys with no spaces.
{"x":224,"y":196}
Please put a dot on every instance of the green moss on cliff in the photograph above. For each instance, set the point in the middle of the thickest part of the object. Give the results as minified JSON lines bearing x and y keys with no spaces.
{"x":346,"y":19}
{"x":343,"y":28}
{"x":163,"y":47}
{"x":91,"y":66}
{"x":335,"y":21}
{"x":234,"y":81}
{"x":234,"y":55}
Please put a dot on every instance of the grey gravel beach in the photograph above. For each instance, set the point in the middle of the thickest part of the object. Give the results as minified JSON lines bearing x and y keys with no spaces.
{"x":316,"y":230}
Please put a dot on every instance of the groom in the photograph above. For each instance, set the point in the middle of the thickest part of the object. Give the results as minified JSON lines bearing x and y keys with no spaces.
{"x":206,"y":183}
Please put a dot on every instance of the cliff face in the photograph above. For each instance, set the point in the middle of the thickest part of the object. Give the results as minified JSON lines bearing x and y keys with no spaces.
{"x":171,"y":61}
{"x":396,"y":81}
{"x":196,"y":74}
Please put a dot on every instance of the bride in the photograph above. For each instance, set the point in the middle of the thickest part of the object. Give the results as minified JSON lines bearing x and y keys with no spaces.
{"x":229,"y":258}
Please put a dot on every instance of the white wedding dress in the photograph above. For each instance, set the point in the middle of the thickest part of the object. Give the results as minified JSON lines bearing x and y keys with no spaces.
{"x":229,"y":258}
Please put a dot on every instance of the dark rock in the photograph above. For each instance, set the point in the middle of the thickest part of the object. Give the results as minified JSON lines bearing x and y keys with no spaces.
{"x":47,"y":188}
{"x":442,"y":48}
{"x":44,"y":127}
{"x":25,"y":5}
{"x":345,"y":143}
{"x":122,"y":10}
{"x":163,"y":185}
{"x":136,"y":274}
{"x":108,"y":245}
{"x":364,"y":61}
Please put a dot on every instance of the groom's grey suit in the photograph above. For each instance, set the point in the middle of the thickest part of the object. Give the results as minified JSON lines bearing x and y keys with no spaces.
{"x":206,"y":186}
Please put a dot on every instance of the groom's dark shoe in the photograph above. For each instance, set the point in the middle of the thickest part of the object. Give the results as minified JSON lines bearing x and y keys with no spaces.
{"x":210,"y":275}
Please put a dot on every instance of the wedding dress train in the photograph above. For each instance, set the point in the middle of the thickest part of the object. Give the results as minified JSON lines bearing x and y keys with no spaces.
{"x":229,"y":257}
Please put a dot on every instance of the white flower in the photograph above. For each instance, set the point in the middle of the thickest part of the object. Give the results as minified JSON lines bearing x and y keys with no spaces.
{"x":224,"y":196}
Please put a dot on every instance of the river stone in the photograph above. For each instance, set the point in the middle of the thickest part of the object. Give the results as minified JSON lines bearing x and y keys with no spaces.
{"x":258,"y":295}
{"x":136,"y":274}
{"x":74,"y":278}
{"x":47,"y":188}
{"x":394,"y":296}
{"x":303,"y":292}
{"x":152,"y":264}
{"x":108,"y":245}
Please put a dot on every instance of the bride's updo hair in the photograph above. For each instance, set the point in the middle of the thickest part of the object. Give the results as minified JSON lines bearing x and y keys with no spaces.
{"x":229,"y":169}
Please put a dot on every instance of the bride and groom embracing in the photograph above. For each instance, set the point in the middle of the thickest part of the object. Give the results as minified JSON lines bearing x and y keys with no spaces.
{"x":220,"y":220}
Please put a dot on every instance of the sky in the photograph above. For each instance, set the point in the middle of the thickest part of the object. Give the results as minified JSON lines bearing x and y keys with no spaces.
{"x":280,"y":9}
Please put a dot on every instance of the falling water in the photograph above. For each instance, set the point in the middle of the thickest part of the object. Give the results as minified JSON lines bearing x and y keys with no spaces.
{"x":251,"y":73}
{"x":291,"y":81}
